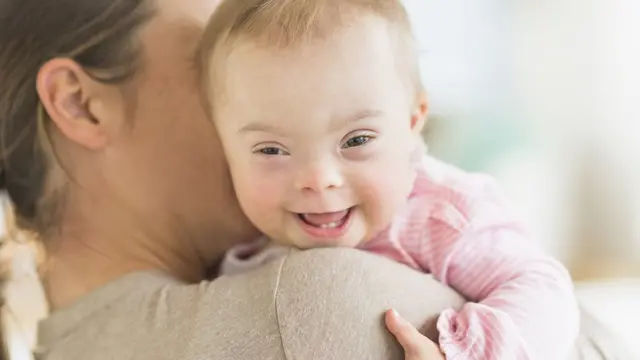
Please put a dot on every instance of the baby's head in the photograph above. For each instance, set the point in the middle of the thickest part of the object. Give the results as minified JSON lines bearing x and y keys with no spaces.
{"x":319,"y":107}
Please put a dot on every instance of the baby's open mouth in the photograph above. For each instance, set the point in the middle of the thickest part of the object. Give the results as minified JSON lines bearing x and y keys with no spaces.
{"x":329,"y":220}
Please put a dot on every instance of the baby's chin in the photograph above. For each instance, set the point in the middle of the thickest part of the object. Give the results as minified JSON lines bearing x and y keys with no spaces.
{"x":305,"y":242}
{"x":308,"y":244}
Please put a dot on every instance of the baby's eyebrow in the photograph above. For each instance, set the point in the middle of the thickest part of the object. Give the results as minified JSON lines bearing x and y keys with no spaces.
{"x":363,"y":114}
{"x":260,"y":127}
{"x":276,"y":130}
{"x":354,"y":117}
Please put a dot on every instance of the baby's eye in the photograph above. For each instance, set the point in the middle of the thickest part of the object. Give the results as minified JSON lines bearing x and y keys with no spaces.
{"x":271,"y":151}
{"x":356,"y":141}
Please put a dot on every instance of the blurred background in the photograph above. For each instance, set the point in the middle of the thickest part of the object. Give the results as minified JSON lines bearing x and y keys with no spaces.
{"x":545,"y":96}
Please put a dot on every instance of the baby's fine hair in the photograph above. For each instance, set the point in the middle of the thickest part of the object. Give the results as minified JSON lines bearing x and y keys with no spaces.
{"x":282,"y":24}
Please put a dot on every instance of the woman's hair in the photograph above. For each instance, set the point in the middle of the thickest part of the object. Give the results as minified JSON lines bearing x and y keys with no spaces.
{"x":100,"y":35}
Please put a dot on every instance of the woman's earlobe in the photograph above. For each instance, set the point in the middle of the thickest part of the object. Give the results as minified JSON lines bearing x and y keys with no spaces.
{"x":64,"y":92}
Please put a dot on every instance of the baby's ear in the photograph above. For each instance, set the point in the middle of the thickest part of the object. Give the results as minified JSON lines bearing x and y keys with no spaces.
{"x":419,"y":113}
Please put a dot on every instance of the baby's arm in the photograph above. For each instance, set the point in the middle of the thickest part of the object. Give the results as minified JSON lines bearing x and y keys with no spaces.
{"x":523,"y":305}
{"x":526,"y":308}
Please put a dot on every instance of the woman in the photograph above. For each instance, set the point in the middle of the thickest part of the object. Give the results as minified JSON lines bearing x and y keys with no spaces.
{"x":110,"y":160}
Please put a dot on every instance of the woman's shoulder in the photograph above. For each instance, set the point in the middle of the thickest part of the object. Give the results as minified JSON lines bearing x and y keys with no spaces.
{"x":318,"y":304}
{"x":150,"y":315}
{"x":344,"y":293}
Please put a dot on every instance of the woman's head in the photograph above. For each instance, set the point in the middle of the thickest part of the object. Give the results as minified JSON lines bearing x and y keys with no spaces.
{"x":102,"y":133}
{"x":93,"y":34}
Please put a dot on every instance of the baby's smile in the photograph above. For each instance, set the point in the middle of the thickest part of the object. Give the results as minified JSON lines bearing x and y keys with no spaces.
{"x":328,"y":220}
{"x":328,"y":225}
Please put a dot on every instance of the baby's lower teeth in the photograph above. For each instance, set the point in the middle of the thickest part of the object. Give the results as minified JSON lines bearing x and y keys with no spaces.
{"x":330,"y":225}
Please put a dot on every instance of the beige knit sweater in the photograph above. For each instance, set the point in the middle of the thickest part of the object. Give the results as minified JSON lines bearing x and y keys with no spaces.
{"x":320,"y":304}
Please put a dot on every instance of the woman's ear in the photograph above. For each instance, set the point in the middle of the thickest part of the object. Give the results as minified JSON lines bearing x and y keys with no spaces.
{"x":74,"y":102}
{"x":420,"y":112}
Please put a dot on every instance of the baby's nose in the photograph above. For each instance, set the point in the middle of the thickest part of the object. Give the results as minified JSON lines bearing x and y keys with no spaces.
{"x":319,"y":177}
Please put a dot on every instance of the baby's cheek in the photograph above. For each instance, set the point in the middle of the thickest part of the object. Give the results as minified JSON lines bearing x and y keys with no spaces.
{"x":259,"y":199}
{"x":382,"y":195}
{"x":261,"y":192}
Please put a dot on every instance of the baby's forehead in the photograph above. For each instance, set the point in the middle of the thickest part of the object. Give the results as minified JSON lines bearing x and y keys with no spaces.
{"x":359,"y":52}
{"x":289,"y":27}
{"x":312,"y":75}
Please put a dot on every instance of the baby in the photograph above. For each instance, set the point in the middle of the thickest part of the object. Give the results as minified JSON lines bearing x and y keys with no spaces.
{"x":319,"y":107}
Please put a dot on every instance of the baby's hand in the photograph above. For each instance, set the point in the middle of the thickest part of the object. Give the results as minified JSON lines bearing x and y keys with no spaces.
{"x":416,"y":346}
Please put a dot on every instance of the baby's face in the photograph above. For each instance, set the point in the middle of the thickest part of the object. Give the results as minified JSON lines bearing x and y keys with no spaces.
{"x":320,"y":137}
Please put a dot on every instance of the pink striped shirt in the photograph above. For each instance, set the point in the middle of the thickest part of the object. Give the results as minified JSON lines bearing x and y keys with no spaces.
{"x":458,"y":227}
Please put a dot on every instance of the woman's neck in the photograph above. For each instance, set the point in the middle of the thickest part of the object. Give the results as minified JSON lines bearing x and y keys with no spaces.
{"x":74,"y":270}
{"x":86,"y":255}
{"x":99,"y":241}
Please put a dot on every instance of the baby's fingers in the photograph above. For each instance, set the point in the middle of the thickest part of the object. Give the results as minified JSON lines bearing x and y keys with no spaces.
{"x":416,"y":346}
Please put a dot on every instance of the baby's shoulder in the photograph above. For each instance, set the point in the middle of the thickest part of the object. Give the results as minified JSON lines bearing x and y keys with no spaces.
{"x":437,"y":176}
{"x":448,"y":193}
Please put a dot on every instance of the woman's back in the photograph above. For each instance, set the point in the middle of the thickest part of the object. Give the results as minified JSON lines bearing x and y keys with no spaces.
{"x":323,"y":304}
{"x":149,"y":315}
{"x":320,"y":304}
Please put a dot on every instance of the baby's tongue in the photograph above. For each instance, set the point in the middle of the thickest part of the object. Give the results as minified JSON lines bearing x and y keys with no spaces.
{"x":324,"y":218}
